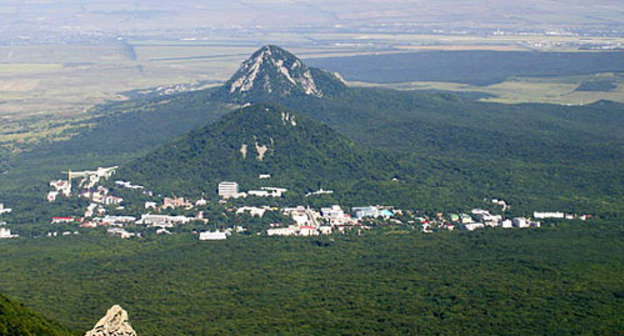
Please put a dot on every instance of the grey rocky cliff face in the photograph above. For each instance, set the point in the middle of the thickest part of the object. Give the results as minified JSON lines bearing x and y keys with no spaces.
{"x":274,"y":71}
{"x":114,"y":323}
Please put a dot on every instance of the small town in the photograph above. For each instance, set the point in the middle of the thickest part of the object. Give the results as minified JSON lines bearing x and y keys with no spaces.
{"x":164,"y":215}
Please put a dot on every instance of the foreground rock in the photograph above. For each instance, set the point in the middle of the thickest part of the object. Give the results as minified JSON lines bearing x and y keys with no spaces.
{"x":114,"y":323}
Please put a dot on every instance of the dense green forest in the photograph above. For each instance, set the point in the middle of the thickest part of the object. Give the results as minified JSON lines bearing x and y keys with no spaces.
{"x":563,"y":279}
{"x":297,"y":152}
{"x":17,"y":320}
{"x":471,"y":66}
{"x":597,"y":85}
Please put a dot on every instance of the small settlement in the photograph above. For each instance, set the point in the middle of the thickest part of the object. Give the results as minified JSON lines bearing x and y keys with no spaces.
{"x":166,"y":214}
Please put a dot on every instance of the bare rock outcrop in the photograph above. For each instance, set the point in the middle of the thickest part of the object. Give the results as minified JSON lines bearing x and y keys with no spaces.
{"x":114,"y":323}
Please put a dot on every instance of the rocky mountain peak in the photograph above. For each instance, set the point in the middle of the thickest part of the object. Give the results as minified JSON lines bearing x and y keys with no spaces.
{"x":273,"y":71}
{"x":114,"y":323}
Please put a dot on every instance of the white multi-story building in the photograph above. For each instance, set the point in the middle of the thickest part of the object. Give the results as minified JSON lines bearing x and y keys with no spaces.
{"x":228,"y":189}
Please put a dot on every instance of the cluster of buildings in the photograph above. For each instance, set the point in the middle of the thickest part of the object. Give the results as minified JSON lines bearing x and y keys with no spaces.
{"x":305,"y":221}
{"x":559,"y":215}
{"x":86,"y":186}
{"x":477,"y":219}
{"x":62,"y":234}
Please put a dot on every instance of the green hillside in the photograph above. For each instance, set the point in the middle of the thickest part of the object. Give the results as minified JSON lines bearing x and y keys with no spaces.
{"x":297,"y":152}
{"x":17,"y":320}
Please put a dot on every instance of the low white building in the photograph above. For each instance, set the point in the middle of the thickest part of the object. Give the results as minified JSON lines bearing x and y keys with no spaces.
{"x":111,"y":200}
{"x":545,"y":215}
{"x":267,"y":192}
{"x":52,"y":195}
{"x":218,"y":235}
{"x":6,"y":234}
{"x":129,"y":185}
{"x":253,"y":211}
{"x":118,"y":219}
{"x":150,"y":205}
{"x":474,"y":226}
{"x":319,"y":192}
{"x":307,"y":231}
{"x":520,"y":222}
{"x":4,"y":210}
{"x":288,"y":231}
{"x":326,"y":230}
{"x":119,"y":232}
{"x":163,"y":221}
{"x":506,"y":224}
{"x":163,"y":231}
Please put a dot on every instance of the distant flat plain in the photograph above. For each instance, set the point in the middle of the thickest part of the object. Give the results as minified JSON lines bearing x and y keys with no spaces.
{"x":44,"y":87}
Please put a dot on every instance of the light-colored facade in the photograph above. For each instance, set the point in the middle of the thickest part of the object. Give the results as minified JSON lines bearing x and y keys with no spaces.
{"x":218,"y":235}
{"x":6,"y":233}
{"x":544,"y":215}
{"x":228,"y":189}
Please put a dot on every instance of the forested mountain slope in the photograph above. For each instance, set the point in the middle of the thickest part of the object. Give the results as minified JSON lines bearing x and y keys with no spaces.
{"x":17,"y":320}
{"x":261,"y":139}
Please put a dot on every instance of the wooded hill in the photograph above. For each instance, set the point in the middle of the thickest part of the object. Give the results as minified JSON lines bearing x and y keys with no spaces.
{"x":17,"y":320}
{"x":297,"y":152}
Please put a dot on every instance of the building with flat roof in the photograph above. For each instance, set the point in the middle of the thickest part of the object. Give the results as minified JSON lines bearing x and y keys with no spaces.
{"x":228,"y":189}
{"x":218,"y":235}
